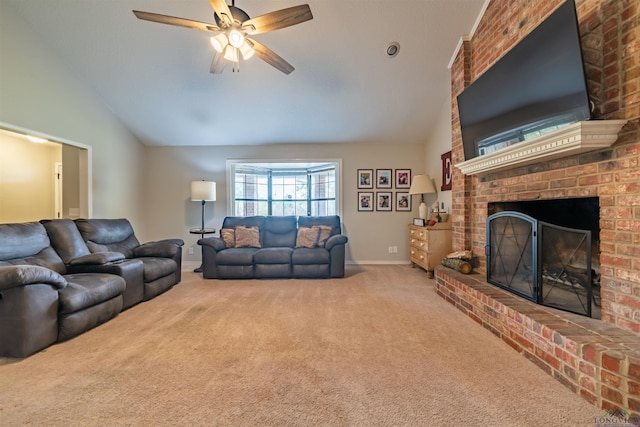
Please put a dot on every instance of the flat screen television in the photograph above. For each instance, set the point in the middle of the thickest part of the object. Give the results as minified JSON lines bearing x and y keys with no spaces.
{"x":536,"y":87}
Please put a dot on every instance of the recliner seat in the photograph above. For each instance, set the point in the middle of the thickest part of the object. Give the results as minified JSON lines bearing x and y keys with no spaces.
{"x":161,"y":260}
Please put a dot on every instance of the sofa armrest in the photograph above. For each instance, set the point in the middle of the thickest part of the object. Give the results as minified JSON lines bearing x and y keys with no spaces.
{"x":162,"y":248}
{"x":338,"y":239}
{"x":98,"y":258}
{"x":216,"y":243}
{"x":22,"y":275}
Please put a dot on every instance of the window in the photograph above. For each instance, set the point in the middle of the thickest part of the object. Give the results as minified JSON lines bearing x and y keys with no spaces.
{"x":281,"y":189}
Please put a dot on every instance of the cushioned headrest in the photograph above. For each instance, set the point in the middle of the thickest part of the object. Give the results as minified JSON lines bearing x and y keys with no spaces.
{"x":65,"y":239}
{"x":105,"y":231}
{"x":22,"y":240}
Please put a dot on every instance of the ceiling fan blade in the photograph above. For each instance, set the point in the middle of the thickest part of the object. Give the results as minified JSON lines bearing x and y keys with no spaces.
{"x":172,"y":20}
{"x":270,"y":57}
{"x":221,"y":8}
{"x":277,"y":19}
{"x":217,"y":64}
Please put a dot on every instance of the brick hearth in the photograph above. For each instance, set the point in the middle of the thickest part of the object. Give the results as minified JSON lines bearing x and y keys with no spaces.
{"x":597,"y":360}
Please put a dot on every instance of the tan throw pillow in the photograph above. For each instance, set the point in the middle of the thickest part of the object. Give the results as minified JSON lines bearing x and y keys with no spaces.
{"x":307,"y":237}
{"x":324,"y":232}
{"x":247,"y":237}
{"x":229,"y":237}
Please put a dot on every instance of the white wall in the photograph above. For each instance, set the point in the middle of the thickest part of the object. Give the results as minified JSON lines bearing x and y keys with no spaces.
{"x":40,"y":93}
{"x":171,"y":169}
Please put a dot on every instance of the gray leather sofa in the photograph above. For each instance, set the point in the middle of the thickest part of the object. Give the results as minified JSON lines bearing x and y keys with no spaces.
{"x":261,"y":247}
{"x":40,"y":301}
{"x":54,"y":285}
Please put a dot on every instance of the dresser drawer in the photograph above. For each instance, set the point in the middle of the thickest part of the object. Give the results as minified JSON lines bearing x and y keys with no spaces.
{"x":420,"y":244}
{"x":417,"y":234}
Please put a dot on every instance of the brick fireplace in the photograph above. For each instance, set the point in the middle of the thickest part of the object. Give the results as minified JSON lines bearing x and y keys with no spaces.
{"x":598,"y":359}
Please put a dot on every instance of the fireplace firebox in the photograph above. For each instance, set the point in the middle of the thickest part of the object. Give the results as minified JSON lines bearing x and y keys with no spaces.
{"x":548,"y":263}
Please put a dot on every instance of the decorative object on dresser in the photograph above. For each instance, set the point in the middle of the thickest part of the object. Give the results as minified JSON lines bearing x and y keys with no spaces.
{"x":422,"y":185}
{"x":429,"y":245}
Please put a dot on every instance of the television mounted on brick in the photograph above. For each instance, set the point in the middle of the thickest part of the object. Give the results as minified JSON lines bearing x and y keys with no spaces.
{"x":536,"y":87}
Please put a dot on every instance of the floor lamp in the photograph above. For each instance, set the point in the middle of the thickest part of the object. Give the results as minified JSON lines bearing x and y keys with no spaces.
{"x":203,"y":191}
{"x":421,"y":184}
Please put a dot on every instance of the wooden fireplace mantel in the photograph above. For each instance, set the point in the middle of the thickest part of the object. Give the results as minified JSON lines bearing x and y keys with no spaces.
{"x":573,"y":139}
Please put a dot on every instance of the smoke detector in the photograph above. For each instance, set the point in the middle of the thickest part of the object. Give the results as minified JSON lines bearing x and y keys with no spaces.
{"x":392,"y":49}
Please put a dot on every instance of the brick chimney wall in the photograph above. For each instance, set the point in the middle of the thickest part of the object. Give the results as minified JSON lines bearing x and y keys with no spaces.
{"x":610,"y":33}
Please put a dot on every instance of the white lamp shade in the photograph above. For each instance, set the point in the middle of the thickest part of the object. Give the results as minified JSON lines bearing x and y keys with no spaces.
{"x":203,"y":190}
{"x":421,"y":184}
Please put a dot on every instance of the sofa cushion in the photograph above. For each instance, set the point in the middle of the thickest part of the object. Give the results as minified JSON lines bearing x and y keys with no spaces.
{"x":247,"y":237}
{"x":108,"y":235}
{"x":279,"y":231}
{"x":22,"y":240}
{"x":331,"y":221}
{"x":228,"y":236}
{"x":236,"y":256}
{"x":66,"y":239}
{"x":324,"y":232}
{"x":310,"y":256}
{"x":313,"y":237}
{"x":307,"y":237}
{"x":85,"y":290}
{"x":155,"y":268}
{"x":273,"y":256}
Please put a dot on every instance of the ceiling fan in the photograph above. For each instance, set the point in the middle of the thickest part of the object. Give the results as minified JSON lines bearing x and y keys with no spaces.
{"x":232,"y":28}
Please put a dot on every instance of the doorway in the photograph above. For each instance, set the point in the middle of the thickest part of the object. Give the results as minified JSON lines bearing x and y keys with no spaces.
{"x":42,"y":177}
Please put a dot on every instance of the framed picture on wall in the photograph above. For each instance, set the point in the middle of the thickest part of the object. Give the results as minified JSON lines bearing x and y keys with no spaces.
{"x":447,"y":171}
{"x":403,"y":201}
{"x":365,"y":201}
{"x":384,"y":178}
{"x":365,"y":178}
{"x":384,"y":201}
{"x":403,"y":178}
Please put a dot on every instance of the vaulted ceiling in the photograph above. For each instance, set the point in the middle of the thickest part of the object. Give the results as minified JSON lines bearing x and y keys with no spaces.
{"x":155,"y":78}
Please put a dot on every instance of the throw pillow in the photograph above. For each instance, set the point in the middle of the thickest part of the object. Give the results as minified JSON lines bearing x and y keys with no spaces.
{"x":307,"y":237}
{"x":324,"y":232}
{"x":247,"y":237}
{"x":229,"y":237}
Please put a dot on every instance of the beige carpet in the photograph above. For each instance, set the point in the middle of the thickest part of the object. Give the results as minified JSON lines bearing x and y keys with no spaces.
{"x":378,"y":348}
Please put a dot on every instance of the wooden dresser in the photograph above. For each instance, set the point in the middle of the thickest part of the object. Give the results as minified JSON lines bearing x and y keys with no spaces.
{"x":428,"y":245}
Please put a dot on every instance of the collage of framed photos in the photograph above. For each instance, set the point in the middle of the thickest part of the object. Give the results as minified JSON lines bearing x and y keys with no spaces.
{"x":383,"y":181}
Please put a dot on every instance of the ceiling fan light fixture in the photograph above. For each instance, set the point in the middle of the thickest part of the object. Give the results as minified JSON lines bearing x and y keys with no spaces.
{"x":231,"y":53}
{"x":219,"y":42}
{"x":236,"y":38}
{"x":247,"y":51}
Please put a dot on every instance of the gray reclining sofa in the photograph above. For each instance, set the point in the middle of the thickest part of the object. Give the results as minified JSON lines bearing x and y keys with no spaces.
{"x":55,"y":286}
{"x":261,"y":247}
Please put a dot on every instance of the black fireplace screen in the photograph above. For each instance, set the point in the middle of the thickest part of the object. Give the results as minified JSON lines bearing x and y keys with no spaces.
{"x":545,"y":263}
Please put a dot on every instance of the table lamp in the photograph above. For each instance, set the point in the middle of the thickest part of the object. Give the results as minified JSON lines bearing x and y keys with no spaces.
{"x":421,"y":184}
